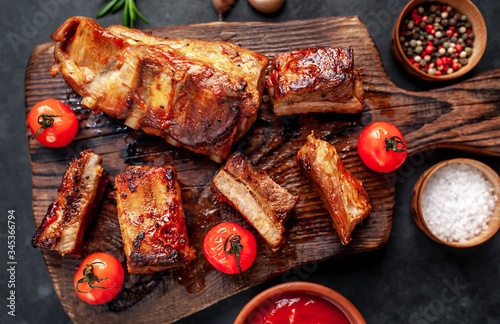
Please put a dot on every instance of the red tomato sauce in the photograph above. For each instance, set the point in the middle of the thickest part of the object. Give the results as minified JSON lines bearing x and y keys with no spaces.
{"x":297,"y":308}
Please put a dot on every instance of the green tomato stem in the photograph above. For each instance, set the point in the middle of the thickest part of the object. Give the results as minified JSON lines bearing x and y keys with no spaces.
{"x":234,"y":248}
{"x":89,"y":277}
{"x":46,"y":121}
{"x":391,"y":144}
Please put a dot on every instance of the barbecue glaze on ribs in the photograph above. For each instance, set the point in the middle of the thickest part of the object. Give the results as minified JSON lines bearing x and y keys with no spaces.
{"x":197,"y":94}
{"x":343,"y":195}
{"x":257,"y":197}
{"x":148,"y":201}
{"x":320,"y":79}
{"x":69,"y":216}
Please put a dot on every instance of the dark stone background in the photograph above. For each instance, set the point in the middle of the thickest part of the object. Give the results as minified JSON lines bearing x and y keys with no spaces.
{"x":408,"y":276}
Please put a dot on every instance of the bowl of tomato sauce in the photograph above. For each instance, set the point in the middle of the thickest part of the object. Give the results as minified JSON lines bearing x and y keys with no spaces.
{"x":299,"y":303}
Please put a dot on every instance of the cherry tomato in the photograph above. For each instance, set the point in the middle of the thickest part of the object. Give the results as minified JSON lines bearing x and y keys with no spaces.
{"x":382,"y":147}
{"x":99,"y":278}
{"x":52,"y":123}
{"x":230,"y":248}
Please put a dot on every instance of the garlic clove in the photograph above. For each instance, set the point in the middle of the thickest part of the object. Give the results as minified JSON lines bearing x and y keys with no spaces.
{"x":222,"y":6}
{"x":266,"y":6}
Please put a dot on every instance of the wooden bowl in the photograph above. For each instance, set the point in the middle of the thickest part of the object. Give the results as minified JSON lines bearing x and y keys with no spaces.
{"x":494,"y":223}
{"x":267,"y":296}
{"x":479,"y":44}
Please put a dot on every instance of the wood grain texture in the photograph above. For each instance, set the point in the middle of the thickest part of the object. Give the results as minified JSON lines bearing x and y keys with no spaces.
{"x":465,"y":116}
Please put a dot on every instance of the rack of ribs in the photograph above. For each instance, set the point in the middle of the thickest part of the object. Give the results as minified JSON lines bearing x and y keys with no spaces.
{"x":148,"y":201}
{"x":200,"y":95}
{"x":68,"y":217}
{"x":319,"y":79}
{"x":343,"y":195}
{"x":257,"y":197}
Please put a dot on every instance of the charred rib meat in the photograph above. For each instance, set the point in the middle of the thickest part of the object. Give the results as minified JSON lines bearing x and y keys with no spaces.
{"x":197,"y":94}
{"x":68,"y":217}
{"x":148,"y":200}
{"x":320,"y":79}
{"x":343,"y":195}
{"x":257,"y":197}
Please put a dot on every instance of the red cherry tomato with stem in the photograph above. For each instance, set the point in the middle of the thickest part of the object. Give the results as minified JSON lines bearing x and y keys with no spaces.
{"x":382,"y":147}
{"x":230,"y":248}
{"x":99,"y":278}
{"x":52,"y":123}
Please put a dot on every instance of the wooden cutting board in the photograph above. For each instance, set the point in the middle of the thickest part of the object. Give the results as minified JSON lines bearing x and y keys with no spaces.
{"x":464,"y":116}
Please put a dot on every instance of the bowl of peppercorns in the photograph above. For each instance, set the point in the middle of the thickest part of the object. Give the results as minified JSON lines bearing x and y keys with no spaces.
{"x":439,"y":40}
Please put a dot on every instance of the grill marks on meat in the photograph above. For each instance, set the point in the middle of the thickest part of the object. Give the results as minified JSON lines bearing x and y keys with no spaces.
{"x":243,"y":66}
{"x":257,"y":197}
{"x":148,"y":200}
{"x":69,"y":216}
{"x":343,"y":195}
{"x":180,"y":92}
{"x":320,"y":79}
{"x":194,"y":92}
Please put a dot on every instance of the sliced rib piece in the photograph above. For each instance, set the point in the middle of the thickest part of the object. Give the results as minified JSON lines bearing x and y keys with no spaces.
{"x":148,"y":201}
{"x":320,"y":79}
{"x":343,"y":195}
{"x":238,"y":62}
{"x":200,"y":95}
{"x":257,"y":197}
{"x":69,"y":216}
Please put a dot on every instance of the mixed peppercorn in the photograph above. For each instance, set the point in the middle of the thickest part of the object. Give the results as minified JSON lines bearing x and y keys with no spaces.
{"x":436,"y":38}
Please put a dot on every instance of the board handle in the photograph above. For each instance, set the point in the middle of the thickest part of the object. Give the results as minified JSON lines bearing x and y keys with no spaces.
{"x":464,"y":116}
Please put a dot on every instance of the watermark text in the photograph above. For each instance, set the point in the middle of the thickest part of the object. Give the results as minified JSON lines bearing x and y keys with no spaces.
{"x":11,"y":262}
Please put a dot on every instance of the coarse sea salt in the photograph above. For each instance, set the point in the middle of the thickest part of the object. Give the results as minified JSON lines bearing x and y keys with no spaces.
{"x":457,"y":202}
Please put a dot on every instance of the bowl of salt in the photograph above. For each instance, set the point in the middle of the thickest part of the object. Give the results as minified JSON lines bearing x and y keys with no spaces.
{"x":457,"y":202}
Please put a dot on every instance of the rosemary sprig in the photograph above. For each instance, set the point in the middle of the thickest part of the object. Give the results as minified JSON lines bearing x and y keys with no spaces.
{"x":130,"y":11}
